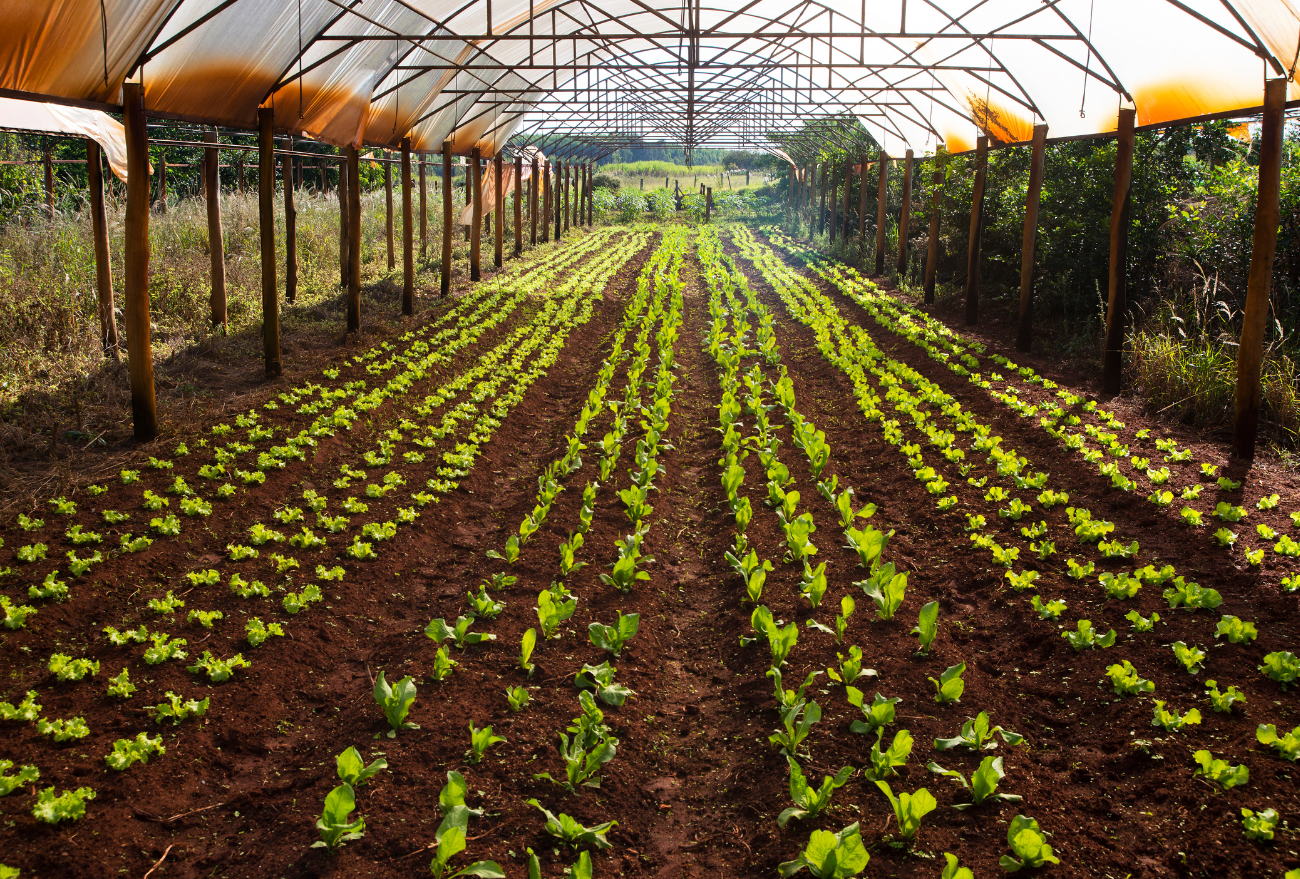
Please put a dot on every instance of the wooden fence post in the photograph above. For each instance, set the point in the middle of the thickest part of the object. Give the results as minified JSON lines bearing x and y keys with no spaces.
{"x":408,"y":233}
{"x":103,"y":265}
{"x":216,"y":237}
{"x":266,"y":230}
{"x":882,"y":209}
{"x":821,"y":198}
{"x":546,"y":201}
{"x":476,"y":222}
{"x":135,"y":277}
{"x":533,"y":183}
{"x":290,"y":228}
{"x":424,"y":217}
{"x":1268,"y":211}
{"x":835,"y":204}
{"x":708,"y":203}
{"x":48,"y":161}
{"x":500,"y":228}
{"x":388,"y":207}
{"x":344,"y":236}
{"x":932,"y":243}
{"x":862,"y":202}
{"x":591,"y":194}
{"x":519,"y":205}
{"x":976,"y":226}
{"x":445,"y":274}
{"x":848,"y":197}
{"x":162,"y":182}
{"x":354,"y":240}
{"x":1112,"y":371}
{"x":1037,"y":164}
{"x":905,"y":214}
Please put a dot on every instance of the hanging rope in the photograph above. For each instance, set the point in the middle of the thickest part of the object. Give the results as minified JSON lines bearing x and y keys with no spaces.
{"x":1087,"y":64}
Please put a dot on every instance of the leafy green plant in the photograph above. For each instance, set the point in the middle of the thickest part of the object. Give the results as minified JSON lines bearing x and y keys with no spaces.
{"x":27,"y":710}
{"x":983,"y":783}
{"x":1126,"y":681}
{"x":1259,"y":826}
{"x":1191,"y":658}
{"x":1172,"y":721}
{"x":1286,"y":745}
{"x":177,"y":708}
{"x":1221,"y":772}
{"x":1191,"y":596}
{"x":257,"y":632}
{"x":1048,"y":610}
{"x":218,"y":670}
{"x":1029,"y":846}
{"x":1141,"y":623}
{"x":1085,"y":637}
{"x":526,"y":645}
{"x":850,"y":668}
{"x":570,"y":831}
{"x":909,"y":809}
{"x":927,"y":627}
{"x":551,"y":612}
{"x":831,"y":855}
{"x":205,"y":618}
{"x":50,"y":587}
{"x":120,"y":685}
{"x":334,"y":824}
{"x":952,"y":868}
{"x":479,"y":741}
{"x":52,"y":807}
{"x":886,"y":588}
{"x":24,"y":776}
{"x":1282,"y":666}
{"x":614,"y":638}
{"x":294,"y":602}
{"x":600,"y":678}
{"x":439,"y":631}
{"x":63,"y":730}
{"x":396,"y":700}
{"x":518,"y":698}
{"x":950,"y":686}
{"x":1222,"y":702}
{"x":65,"y":668}
{"x":1238,"y":631}
{"x":15,"y":616}
{"x":977,"y":734}
{"x":882,"y":763}
{"x":1022,"y":581}
{"x":127,"y":752}
{"x":810,"y":802}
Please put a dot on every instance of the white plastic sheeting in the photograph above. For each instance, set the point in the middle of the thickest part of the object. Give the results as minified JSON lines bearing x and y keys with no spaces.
{"x":54,"y":119}
{"x":917,"y":75}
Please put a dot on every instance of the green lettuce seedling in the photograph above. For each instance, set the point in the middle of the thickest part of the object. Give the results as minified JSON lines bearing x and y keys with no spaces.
{"x":127,"y":752}
{"x":518,"y":698}
{"x":952,"y":868}
{"x":983,"y":783}
{"x":886,"y":588}
{"x":206,"y":618}
{"x":1222,"y":702}
{"x":65,"y":668}
{"x":218,"y":670}
{"x":1259,"y":826}
{"x":333,"y":824}
{"x":1028,"y":845}
{"x":353,"y":770}
{"x":569,"y":830}
{"x":9,"y":783}
{"x":883,"y":762}
{"x":1237,"y":630}
{"x":1287,"y":745}
{"x":831,"y":855}
{"x":1048,"y":610}
{"x":177,"y":708}
{"x":52,"y":807}
{"x":1192,"y":596}
{"x":614,"y":638}
{"x":1141,"y":623}
{"x":977,"y":734}
{"x":600,"y":678}
{"x":927,"y":627}
{"x":850,"y":667}
{"x":1126,"y":681}
{"x":27,"y":710}
{"x":796,"y":724}
{"x":439,"y":631}
{"x":1191,"y":658}
{"x":63,"y":730}
{"x":50,"y":587}
{"x":909,"y":809}
{"x":551,"y":612}
{"x":1221,"y":772}
{"x":484,"y":605}
{"x":1172,"y":721}
{"x":257,"y":632}
{"x":810,"y":802}
{"x":950,"y":686}
{"x":1282,"y":666}
{"x":1078,"y":571}
{"x":120,"y":685}
{"x":1022,"y":581}
{"x":15,"y":616}
{"x":1085,"y":637}
{"x":526,"y":646}
{"x":443,"y":664}
{"x":396,"y":700}
{"x":1120,"y":585}
{"x":780,"y":640}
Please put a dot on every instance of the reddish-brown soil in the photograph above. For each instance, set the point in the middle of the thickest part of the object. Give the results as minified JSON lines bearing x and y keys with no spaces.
{"x":695,"y":787}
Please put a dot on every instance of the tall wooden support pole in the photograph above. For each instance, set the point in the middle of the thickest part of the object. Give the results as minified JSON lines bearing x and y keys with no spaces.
{"x":266,"y":229}
{"x":561,"y":197}
{"x":216,"y":238}
{"x":1268,"y":210}
{"x":862,"y":203}
{"x":162,"y":182}
{"x":882,"y":209}
{"x":144,"y":409}
{"x":821,"y":196}
{"x":591,"y":195}
{"x":424,"y":216}
{"x":533,"y":183}
{"x":476,"y":222}
{"x":789,"y":193}
{"x":48,"y":161}
{"x":932,"y":243}
{"x":848,"y":198}
{"x":835,"y":203}
{"x":500,"y":209}
{"x":388,"y":209}
{"x":1112,"y":369}
{"x":570,"y":195}
{"x":103,"y":267}
{"x":354,"y":240}
{"x":1037,"y":164}
{"x":408,"y":232}
{"x":344,"y":236}
{"x":445,"y":274}
{"x":905,"y":214}
{"x":519,"y":206}
{"x":708,"y":203}
{"x":239,"y":170}
{"x":546,"y":202}
{"x":976,"y":228}
{"x":290,"y":228}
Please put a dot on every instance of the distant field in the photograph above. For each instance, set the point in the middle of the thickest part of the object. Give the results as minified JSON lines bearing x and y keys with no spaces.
{"x":656,"y":169}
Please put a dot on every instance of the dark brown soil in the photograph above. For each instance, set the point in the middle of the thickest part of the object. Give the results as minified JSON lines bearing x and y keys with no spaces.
{"x":695,"y":787}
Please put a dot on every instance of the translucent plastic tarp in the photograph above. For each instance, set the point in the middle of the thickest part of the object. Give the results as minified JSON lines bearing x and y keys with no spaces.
{"x":918,"y":75}
{"x":51,"y":118}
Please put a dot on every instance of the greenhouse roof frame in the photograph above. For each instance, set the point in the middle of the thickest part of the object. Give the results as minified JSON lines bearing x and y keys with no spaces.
{"x":586,"y":77}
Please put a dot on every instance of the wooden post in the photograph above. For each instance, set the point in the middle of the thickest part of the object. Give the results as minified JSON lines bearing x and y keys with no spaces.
{"x":976,"y":227}
{"x":408,"y":232}
{"x":519,"y":206}
{"x":424,"y":217}
{"x":290,"y":229}
{"x":561,"y":197}
{"x":591,"y":195}
{"x":239,"y":170}
{"x":344,"y":237}
{"x":821,"y":204}
{"x":882,"y":209}
{"x":835,"y":203}
{"x":546,"y":201}
{"x":500,"y":206}
{"x":862,"y":203}
{"x":1113,"y":357}
{"x":388,"y":208}
{"x":932,"y":243}
{"x":354,"y":240}
{"x":476,"y":224}
{"x":708,"y":203}
{"x":1037,"y":163}
{"x":216,"y":238}
{"x":48,"y":160}
{"x":533,"y":182}
{"x":445,"y":274}
{"x":144,"y":409}
{"x":1268,"y":217}
{"x":162,"y":182}
{"x":848,"y":199}
{"x":103,"y":266}
{"x":905,"y":214}
{"x":266,"y":229}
